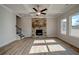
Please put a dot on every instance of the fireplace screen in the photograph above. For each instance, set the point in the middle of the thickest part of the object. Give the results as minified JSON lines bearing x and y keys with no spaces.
{"x":39,"y":32}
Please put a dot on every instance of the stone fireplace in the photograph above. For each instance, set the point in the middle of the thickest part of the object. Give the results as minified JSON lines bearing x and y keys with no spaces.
{"x":39,"y":27}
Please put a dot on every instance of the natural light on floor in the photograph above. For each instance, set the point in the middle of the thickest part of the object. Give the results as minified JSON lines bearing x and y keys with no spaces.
{"x":38,"y":49}
{"x":38,"y":41}
{"x":50,"y":41}
{"x":46,"y":48}
{"x":56,"y":47}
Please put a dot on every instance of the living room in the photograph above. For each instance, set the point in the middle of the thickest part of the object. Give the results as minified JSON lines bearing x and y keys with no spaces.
{"x":45,"y":29}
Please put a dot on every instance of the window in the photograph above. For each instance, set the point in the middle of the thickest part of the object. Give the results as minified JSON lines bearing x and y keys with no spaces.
{"x":63,"y":26}
{"x":74,"y":25}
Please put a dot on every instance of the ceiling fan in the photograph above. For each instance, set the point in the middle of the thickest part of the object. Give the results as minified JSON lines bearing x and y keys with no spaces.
{"x":38,"y":11}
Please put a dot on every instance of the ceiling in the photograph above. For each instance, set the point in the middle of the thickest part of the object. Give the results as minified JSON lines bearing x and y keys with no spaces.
{"x":53,"y":9}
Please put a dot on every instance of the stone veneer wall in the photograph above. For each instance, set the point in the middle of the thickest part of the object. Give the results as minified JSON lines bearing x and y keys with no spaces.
{"x":39,"y":23}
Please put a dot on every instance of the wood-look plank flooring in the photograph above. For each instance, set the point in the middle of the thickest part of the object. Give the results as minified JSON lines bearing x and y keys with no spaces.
{"x":30,"y":46}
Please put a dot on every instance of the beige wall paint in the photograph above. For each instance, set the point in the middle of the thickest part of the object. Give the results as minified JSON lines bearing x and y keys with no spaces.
{"x":7,"y":26}
{"x":70,"y":39}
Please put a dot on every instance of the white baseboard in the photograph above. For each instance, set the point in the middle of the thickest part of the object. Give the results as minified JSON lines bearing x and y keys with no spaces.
{"x":6,"y":43}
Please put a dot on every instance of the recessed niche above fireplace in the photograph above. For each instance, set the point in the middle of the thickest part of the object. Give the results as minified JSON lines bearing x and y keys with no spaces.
{"x":39,"y":27}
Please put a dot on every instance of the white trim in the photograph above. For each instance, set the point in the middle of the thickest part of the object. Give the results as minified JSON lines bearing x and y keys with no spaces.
{"x":9,"y":9}
{"x":6,"y":43}
{"x":6,"y":8}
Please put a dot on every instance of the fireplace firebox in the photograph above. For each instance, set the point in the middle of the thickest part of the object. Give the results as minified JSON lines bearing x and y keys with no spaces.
{"x":39,"y":32}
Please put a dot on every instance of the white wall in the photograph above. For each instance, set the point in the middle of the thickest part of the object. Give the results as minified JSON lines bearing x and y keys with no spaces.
{"x":51,"y":27}
{"x":7,"y":26}
{"x":27,"y":26}
{"x":70,"y":39}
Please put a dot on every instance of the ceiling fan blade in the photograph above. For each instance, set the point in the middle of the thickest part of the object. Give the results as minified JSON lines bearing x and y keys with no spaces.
{"x":35,"y":9}
{"x":43,"y":10}
{"x":43,"y":13}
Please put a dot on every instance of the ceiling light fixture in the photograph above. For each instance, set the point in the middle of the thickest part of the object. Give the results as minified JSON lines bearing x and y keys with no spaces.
{"x":38,"y":13}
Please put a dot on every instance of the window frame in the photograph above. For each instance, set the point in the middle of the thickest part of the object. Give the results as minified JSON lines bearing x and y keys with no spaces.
{"x":70,"y":24}
{"x":61,"y":26}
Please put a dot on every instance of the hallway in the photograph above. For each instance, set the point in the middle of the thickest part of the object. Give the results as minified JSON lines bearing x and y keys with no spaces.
{"x":30,"y":46}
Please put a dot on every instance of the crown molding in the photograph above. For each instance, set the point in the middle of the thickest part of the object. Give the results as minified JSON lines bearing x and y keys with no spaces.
{"x":6,"y":7}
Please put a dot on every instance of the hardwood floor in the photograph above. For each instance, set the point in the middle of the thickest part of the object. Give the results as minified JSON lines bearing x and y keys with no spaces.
{"x":30,"y":46}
